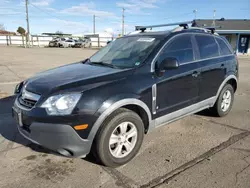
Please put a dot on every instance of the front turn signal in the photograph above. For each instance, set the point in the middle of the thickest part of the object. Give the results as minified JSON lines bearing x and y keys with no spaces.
{"x":81,"y":127}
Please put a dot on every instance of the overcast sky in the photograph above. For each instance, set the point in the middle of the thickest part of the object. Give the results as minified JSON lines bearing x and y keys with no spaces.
{"x":76,"y":16}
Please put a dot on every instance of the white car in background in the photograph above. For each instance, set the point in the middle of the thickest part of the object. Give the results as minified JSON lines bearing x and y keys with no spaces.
{"x":69,"y":43}
{"x":61,"y":41}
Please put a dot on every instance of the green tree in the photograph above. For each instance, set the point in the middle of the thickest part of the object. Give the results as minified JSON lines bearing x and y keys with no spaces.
{"x":21,"y":30}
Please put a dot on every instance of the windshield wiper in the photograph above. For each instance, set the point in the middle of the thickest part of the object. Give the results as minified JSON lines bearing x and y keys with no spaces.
{"x":104,"y":64}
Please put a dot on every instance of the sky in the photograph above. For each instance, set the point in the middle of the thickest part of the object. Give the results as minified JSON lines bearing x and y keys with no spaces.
{"x":76,"y":16}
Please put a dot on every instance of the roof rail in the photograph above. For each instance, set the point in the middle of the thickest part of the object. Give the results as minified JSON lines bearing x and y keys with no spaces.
{"x":181,"y":24}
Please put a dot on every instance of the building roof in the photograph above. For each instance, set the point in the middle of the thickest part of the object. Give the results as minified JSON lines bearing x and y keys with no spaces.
{"x":226,"y":24}
{"x":56,"y":34}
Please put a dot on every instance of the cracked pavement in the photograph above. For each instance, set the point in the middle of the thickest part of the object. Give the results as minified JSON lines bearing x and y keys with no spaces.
{"x":197,"y":151}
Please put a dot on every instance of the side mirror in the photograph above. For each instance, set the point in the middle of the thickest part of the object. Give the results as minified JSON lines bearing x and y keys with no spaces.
{"x":167,"y":64}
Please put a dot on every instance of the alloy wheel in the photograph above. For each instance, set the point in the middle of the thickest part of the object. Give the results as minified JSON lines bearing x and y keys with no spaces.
{"x":123,"y":139}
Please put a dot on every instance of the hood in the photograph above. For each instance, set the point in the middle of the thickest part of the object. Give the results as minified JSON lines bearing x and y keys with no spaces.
{"x":77,"y":76}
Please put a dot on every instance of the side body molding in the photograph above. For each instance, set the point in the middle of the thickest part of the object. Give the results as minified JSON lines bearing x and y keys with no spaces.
{"x":115,"y":106}
{"x":109,"y":108}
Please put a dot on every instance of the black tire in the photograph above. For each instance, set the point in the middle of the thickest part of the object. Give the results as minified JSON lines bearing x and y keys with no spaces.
{"x":101,"y":143}
{"x":217,"y":109}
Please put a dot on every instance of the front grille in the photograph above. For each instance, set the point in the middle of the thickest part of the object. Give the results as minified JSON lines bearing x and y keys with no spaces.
{"x":27,"y":102}
{"x":27,"y":99}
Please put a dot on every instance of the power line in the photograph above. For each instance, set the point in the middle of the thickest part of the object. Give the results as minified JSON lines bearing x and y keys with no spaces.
{"x":45,"y":11}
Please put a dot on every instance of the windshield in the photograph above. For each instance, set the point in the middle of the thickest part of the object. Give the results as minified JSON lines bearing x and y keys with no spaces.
{"x":127,"y":52}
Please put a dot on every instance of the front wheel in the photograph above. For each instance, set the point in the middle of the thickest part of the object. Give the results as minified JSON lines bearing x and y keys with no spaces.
{"x":120,"y":138}
{"x":224,"y":102}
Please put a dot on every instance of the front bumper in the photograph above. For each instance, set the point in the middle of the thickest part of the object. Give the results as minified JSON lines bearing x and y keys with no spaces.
{"x":61,"y":138}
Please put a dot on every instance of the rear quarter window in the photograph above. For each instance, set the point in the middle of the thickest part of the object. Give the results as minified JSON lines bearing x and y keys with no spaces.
{"x":224,"y":49}
{"x":207,"y":46}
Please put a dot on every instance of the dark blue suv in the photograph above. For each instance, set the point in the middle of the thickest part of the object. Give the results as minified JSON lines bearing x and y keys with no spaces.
{"x":105,"y":104}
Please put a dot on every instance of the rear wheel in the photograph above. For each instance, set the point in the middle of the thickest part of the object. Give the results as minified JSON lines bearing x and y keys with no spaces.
{"x":120,"y":138}
{"x":225,"y":100}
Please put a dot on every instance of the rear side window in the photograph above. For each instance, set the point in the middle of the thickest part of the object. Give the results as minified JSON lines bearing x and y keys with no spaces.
{"x":180,"y":48}
{"x":208,"y":48}
{"x":224,"y":50}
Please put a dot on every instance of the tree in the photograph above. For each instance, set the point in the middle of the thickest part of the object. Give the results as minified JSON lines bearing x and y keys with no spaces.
{"x":2,"y":27}
{"x":21,"y":30}
{"x":59,"y":32}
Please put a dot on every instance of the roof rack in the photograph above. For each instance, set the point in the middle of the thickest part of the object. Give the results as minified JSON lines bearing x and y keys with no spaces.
{"x":212,"y":29}
{"x":181,"y":24}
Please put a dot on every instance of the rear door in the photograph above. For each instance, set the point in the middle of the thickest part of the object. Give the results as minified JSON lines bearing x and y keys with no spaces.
{"x":212,"y":65}
{"x":177,"y":88}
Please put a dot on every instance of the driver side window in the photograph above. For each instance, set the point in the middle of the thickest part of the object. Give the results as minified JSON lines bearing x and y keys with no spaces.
{"x":180,"y":47}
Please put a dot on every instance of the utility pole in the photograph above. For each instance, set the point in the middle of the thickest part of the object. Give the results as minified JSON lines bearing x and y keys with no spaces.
{"x":94,"y":24}
{"x":214,"y":18}
{"x":123,"y":9}
{"x":195,"y":13}
{"x":28,"y":25}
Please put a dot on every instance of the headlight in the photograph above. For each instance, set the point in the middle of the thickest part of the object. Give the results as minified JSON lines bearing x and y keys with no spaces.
{"x":61,"y":104}
{"x":18,"y":87}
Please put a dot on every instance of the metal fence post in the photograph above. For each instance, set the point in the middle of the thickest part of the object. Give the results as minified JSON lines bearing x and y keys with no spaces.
{"x":38,"y":41}
{"x":10,"y":39}
{"x":7,"y":40}
{"x":23,"y":41}
{"x":32,"y":40}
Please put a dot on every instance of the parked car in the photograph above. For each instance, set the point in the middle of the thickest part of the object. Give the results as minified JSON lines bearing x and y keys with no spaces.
{"x":61,"y":42}
{"x":78,"y":44}
{"x":69,"y":43}
{"x":86,"y":43}
{"x":82,"y":43}
{"x":54,"y":43}
{"x":105,"y":104}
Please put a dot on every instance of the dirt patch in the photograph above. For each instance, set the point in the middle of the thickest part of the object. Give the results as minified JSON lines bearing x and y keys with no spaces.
{"x":53,"y":171}
{"x":31,"y":157}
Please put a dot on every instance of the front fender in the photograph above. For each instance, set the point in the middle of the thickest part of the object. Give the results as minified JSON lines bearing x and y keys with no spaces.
{"x":113,"y":104}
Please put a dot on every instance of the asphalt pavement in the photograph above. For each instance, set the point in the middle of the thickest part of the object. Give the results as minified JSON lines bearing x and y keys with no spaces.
{"x":199,"y":151}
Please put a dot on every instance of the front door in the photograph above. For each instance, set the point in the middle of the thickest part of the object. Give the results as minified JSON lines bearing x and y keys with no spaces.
{"x":177,"y":88}
{"x":243,"y":44}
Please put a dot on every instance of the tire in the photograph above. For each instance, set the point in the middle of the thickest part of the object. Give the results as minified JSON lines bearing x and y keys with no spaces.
{"x":105,"y":151}
{"x":218,"y":108}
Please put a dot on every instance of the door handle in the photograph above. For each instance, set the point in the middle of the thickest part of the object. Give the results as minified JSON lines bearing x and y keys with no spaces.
{"x":195,"y":74}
